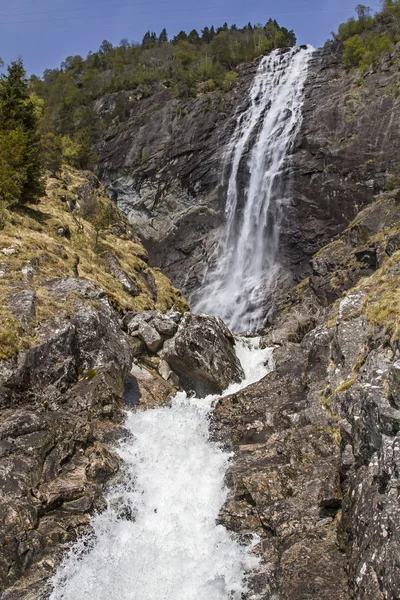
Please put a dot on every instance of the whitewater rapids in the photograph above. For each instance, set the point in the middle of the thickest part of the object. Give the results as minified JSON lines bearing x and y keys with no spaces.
{"x":158,"y":538}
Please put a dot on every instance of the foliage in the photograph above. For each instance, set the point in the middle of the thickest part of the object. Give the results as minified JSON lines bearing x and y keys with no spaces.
{"x":363,"y":39}
{"x":189,"y":63}
{"x":20,"y":148}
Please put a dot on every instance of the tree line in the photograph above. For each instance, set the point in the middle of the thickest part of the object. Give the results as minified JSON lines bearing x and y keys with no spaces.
{"x":188,"y":64}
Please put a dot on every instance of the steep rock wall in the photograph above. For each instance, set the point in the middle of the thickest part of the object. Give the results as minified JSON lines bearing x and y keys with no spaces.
{"x":164,"y":165}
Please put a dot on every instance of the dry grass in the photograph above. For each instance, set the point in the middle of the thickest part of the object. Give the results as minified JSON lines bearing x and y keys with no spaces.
{"x":33,"y":232}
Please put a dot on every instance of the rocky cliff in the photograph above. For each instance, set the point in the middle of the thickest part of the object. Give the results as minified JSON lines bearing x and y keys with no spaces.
{"x":316,"y":442}
{"x":163,"y":165}
{"x":68,"y":275}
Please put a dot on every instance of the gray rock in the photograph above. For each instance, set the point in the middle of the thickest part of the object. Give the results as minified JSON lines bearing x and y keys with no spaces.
{"x":164,"y":325}
{"x":394,"y":382}
{"x":60,"y":410}
{"x":202,"y":354}
{"x":10,"y":251}
{"x":30,"y":268}
{"x":23,"y":306}
{"x":4,"y":270}
{"x":114,"y":267}
{"x":164,"y":369}
{"x":60,"y":288}
{"x":150,"y":336}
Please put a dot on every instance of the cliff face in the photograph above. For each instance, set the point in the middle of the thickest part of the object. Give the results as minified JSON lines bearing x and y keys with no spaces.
{"x":164,"y":165}
{"x":349,"y":147}
{"x":316,"y":442}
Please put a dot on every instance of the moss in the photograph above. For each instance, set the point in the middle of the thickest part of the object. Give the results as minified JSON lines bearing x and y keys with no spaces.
{"x":346,"y":385}
{"x":89,"y":374}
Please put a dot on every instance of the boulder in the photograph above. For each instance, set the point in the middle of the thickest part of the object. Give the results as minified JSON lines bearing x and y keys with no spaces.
{"x":150,"y":336}
{"x":23,"y":306}
{"x":202,"y":354}
{"x":164,"y":325}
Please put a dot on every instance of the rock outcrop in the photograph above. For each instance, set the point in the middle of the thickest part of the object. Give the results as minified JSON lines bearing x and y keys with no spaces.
{"x":66,"y":370}
{"x":203,"y":356}
{"x":316,"y":468}
{"x":195,"y":352}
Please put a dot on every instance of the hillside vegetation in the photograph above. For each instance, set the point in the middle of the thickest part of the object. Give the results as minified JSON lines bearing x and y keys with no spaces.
{"x":75,"y":231}
{"x":368,"y":37}
{"x":188,"y":64}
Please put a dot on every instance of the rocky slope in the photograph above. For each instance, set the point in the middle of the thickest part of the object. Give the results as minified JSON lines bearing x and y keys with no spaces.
{"x":317,"y":458}
{"x":164,"y":164}
{"x":64,"y":368}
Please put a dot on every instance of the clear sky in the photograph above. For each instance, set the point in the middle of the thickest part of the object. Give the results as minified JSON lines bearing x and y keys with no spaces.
{"x":44,"y":32}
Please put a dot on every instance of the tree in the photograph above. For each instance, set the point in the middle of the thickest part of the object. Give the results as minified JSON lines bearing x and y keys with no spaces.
{"x":105,"y":47}
{"x":363,"y":12}
{"x":185,"y":53}
{"x":19,"y":127}
{"x":181,"y":37}
{"x":163,"y":37}
{"x":205,"y":35}
{"x":193,"y":37}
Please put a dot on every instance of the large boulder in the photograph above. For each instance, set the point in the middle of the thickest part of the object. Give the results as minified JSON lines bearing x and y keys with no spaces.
{"x":202,"y":354}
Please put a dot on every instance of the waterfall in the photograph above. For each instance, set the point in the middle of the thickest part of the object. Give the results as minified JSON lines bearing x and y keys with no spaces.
{"x":246,"y":267}
{"x":158,"y":539}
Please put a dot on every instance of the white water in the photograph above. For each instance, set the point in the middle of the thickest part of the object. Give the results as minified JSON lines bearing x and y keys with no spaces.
{"x":245,"y":275}
{"x":158,"y":539}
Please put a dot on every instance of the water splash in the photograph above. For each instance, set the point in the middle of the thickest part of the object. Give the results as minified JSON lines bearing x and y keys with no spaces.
{"x":246,"y":268}
{"x":158,"y":539}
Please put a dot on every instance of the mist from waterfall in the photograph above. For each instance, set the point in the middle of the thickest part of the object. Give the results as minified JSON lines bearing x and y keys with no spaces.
{"x":245,"y":269}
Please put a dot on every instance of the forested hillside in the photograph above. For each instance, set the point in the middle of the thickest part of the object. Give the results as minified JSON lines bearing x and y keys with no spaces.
{"x":188,"y":64}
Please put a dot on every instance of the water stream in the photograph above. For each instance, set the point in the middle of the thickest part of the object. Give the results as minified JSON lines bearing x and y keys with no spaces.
{"x":246,"y":268}
{"x":158,"y":538}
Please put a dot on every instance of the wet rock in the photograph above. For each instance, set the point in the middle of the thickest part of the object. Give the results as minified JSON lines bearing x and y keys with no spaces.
{"x":60,"y":412}
{"x":202,"y":354}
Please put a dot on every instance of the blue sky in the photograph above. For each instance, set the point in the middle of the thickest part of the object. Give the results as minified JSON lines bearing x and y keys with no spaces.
{"x":44,"y":32}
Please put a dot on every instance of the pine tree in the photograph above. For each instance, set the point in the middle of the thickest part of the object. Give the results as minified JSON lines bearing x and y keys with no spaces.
{"x":20,"y":152}
{"x":163,"y":37}
{"x":193,"y":37}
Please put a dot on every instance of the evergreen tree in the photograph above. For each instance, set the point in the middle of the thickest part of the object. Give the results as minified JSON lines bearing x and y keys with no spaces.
{"x":205,"y":35}
{"x":193,"y":37}
{"x":181,"y":37}
{"x":163,"y":37}
{"x":20,"y":156}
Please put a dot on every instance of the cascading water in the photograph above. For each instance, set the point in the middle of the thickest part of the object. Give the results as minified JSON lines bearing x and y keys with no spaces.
{"x":158,"y":539}
{"x":246,"y":266}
